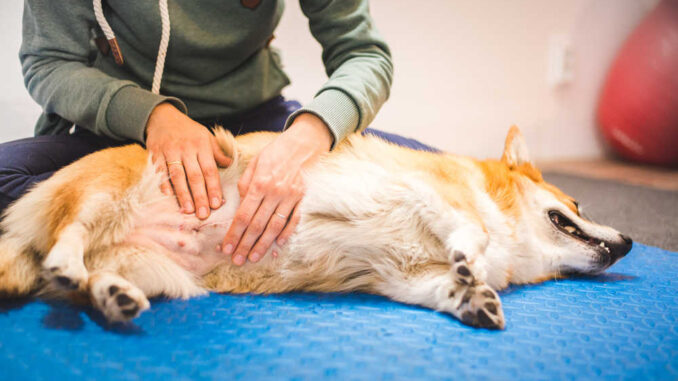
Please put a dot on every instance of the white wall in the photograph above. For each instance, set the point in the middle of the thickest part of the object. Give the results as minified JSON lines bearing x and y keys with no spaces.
{"x":465,"y":70}
{"x":18,"y":112}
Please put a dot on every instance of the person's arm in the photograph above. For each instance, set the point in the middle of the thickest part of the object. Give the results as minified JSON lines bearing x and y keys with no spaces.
{"x":54,"y":58}
{"x":357,"y":61}
{"x":360,"y":72}
{"x":55,"y":55}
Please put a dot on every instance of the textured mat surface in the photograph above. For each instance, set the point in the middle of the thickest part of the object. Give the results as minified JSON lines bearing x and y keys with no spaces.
{"x":621,"y":325}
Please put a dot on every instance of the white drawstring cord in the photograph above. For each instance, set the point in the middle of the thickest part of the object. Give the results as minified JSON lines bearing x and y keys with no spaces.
{"x":162,"y":49}
{"x":108,"y":32}
{"x":103,"y":24}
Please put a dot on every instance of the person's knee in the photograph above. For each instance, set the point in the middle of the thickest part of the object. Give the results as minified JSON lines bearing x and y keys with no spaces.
{"x":22,"y":163}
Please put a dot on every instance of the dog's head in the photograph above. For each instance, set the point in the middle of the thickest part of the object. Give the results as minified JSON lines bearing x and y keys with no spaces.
{"x":564,"y":241}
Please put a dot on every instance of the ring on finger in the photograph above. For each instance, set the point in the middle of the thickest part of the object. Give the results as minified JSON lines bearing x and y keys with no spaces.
{"x":175,"y":162}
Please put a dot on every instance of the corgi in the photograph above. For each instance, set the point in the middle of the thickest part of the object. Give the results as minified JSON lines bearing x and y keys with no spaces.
{"x":431,"y":229}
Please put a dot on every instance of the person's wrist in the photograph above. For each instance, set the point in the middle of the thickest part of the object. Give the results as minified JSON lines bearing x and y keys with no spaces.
{"x":158,"y":114}
{"x":312,"y":127}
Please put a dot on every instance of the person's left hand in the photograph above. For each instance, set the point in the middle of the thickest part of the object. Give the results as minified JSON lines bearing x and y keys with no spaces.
{"x":272,"y":186}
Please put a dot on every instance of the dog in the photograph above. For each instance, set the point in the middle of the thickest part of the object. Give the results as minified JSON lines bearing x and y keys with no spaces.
{"x":431,"y":229}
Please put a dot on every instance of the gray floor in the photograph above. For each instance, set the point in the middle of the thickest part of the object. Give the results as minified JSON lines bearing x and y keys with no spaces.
{"x":647,"y":215}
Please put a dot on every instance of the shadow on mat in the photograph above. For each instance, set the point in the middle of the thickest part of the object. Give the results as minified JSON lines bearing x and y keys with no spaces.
{"x":7,"y":305}
{"x":605,"y":277}
{"x":309,"y":301}
{"x":600,"y":278}
{"x":68,"y":317}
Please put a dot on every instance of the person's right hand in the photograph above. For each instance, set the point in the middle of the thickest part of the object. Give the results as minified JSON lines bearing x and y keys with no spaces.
{"x":188,"y":153}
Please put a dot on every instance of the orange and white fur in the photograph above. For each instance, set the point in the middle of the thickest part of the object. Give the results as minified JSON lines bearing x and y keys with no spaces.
{"x":431,"y":229}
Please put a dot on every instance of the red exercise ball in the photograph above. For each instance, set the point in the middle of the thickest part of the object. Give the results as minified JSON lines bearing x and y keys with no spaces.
{"x":638,"y":109}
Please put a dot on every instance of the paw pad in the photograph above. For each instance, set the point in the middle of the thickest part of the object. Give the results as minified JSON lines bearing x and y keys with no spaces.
{"x":127,"y":305}
{"x":113,"y":290}
{"x":131,"y":312}
{"x":66,"y":282}
{"x":117,"y":299}
{"x":123,"y":300}
{"x":464,"y":276}
{"x":67,"y":277}
{"x":463,"y":270}
{"x":459,"y":256}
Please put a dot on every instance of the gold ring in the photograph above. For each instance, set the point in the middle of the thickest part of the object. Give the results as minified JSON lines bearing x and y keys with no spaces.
{"x":175,"y":162}
{"x":284,"y":217}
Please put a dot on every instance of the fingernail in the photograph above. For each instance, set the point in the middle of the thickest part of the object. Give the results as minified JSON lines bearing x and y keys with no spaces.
{"x":202,"y":212}
{"x":188,"y":208}
{"x":275,"y":254}
{"x":254,"y":257}
{"x":216,"y":203}
{"x":228,"y":249}
{"x":239,"y":260}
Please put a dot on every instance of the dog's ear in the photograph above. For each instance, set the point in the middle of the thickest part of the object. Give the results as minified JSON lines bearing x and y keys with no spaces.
{"x":515,"y":149}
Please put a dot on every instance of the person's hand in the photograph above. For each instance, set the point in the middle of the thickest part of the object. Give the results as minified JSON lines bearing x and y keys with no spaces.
{"x":272,"y":186}
{"x":188,"y":153}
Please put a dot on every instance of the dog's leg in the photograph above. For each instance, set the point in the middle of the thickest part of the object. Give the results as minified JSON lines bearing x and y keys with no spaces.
{"x":64,"y":264}
{"x":124,"y":275}
{"x":19,"y":269}
{"x":149,"y":267}
{"x":457,"y":292}
{"x":458,"y":232}
{"x":470,"y":241}
{"x":116,"y":298}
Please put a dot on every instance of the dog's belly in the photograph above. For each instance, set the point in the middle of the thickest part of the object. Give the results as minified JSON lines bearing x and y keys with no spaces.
{"x":192,"y":243}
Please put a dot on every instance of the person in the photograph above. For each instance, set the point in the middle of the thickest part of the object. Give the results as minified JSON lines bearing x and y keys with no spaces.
{"x":162,"y":73}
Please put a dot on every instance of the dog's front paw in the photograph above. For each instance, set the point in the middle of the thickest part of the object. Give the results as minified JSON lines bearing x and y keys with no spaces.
{"x":474,"y":302}
{"x":470,"y":240}
{"x":116,"y":298}
{"x":480,"y":307}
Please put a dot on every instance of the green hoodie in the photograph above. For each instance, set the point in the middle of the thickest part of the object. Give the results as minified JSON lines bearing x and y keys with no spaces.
{"x":218,"y":64}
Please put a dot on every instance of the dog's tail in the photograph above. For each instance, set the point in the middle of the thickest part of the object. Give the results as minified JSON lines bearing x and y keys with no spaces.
{"x":227,"y":144}
{"x":19,"y":269}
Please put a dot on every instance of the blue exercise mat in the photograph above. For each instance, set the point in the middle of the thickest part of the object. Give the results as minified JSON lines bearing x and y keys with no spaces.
{"x":620,"y":325}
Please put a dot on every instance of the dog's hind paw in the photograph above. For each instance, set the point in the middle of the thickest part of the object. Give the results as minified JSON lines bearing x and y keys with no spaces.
{"x":116,"y":298}
{"x":474,"y":302}
{"x":71,"y":275}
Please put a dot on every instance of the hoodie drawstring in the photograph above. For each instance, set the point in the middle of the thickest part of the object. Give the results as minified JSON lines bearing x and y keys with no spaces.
{"x":108,"y":32}
{"x":162,"y":48}
{"x":115,"y":48}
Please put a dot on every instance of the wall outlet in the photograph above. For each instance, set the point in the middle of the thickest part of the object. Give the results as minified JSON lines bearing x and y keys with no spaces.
{"x":560,"y":69}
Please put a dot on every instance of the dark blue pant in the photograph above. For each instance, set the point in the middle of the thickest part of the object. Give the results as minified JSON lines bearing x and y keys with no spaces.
{"x":27,"y":161}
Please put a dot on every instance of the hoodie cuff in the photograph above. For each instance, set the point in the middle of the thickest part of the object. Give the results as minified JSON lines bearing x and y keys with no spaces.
{"x":129,"y":110}
{"x":336,"y":109}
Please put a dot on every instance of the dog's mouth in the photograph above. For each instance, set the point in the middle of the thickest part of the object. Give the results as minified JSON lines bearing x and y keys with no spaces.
{"x":568,"y":227}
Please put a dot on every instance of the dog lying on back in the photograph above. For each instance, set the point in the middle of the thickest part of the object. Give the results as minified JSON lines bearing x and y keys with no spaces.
{"x":431,"y":229}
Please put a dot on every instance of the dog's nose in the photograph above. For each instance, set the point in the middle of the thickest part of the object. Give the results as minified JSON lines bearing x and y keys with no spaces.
{"x":627,"y":239}
{"x":618,"y":250}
